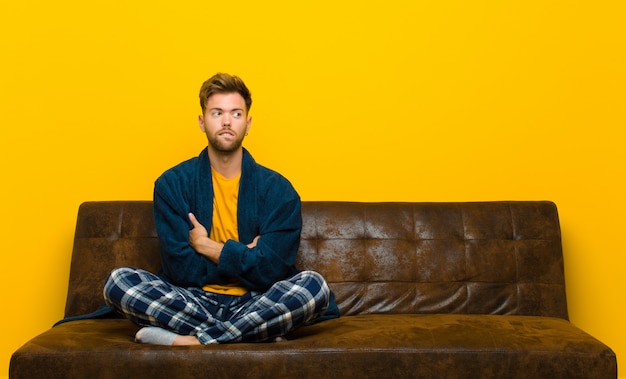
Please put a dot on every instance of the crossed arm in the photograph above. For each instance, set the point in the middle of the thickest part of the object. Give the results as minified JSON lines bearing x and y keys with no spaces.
{"x":201,"y":242}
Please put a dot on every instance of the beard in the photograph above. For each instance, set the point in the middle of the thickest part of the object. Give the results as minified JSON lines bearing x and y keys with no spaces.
{"x":227,"y":147}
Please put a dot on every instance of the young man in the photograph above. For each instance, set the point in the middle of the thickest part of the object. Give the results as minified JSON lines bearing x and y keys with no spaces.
{"x":229,"y":230}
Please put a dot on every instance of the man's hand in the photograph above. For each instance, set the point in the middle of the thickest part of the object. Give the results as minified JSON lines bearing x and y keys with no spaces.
{"x":253,"y":243}
{"x":201,"y":243}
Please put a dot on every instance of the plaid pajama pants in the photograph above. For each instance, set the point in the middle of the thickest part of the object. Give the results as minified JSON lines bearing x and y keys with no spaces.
{"x":147,"y":300}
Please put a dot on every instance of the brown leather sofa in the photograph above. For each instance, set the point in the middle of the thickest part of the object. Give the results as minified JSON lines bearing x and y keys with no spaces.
{"x":426,"y":290}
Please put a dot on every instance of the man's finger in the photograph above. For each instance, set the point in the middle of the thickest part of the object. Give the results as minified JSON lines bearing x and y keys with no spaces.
{"x":194,"y":220}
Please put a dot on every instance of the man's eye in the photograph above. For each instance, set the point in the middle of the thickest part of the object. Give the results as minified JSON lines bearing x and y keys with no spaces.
{"x":216,"y":113}
{"x":237,"y":114}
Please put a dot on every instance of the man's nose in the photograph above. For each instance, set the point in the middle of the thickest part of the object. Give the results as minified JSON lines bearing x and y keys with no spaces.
{"x":226,"y":120}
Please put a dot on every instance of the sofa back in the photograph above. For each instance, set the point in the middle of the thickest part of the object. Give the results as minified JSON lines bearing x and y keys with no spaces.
{"x":479,"y":258}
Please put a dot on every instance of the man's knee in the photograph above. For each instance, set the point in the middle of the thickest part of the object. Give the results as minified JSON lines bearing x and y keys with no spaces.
{"x":315,"y":283}
{"x":118,"y":282}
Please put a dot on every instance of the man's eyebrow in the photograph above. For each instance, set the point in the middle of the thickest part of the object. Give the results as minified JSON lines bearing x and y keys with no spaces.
{"x":222,"y":109}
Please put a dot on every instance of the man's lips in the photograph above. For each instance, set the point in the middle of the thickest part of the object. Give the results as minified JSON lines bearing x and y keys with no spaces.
{"x":226,"y":133}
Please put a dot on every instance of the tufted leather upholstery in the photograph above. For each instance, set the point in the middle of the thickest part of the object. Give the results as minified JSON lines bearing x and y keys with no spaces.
{"x":487,"y":258}
{"x":453,"y":290}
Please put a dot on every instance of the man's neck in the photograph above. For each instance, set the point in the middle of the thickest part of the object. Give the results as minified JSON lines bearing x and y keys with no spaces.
{"x":227,"y":164}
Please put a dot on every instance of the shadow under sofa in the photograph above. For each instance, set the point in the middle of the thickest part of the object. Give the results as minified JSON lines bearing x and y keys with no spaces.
{"x":426,"y":290}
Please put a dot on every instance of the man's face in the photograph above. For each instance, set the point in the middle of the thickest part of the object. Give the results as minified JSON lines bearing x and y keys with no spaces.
{"x":225,"y":122}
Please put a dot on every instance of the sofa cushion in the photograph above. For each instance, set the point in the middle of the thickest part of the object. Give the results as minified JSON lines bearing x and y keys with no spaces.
{"x":363,"y":346}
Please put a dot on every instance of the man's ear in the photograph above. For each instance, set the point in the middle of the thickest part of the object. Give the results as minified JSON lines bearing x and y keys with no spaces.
{"x":201,"y":122}
{"x":249,"y":125}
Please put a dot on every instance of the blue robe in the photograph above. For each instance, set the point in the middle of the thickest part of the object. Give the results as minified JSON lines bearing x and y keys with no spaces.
{"x":268,"y":206}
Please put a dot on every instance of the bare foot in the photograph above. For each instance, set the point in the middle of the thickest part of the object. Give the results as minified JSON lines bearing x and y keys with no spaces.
{"x":185,"y":341}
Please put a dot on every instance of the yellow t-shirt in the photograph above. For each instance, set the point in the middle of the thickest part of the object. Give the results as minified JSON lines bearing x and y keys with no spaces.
{"x":224,"y":227}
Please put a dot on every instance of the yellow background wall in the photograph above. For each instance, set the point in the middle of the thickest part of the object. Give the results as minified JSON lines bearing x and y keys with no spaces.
{"x":422,"y":100}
